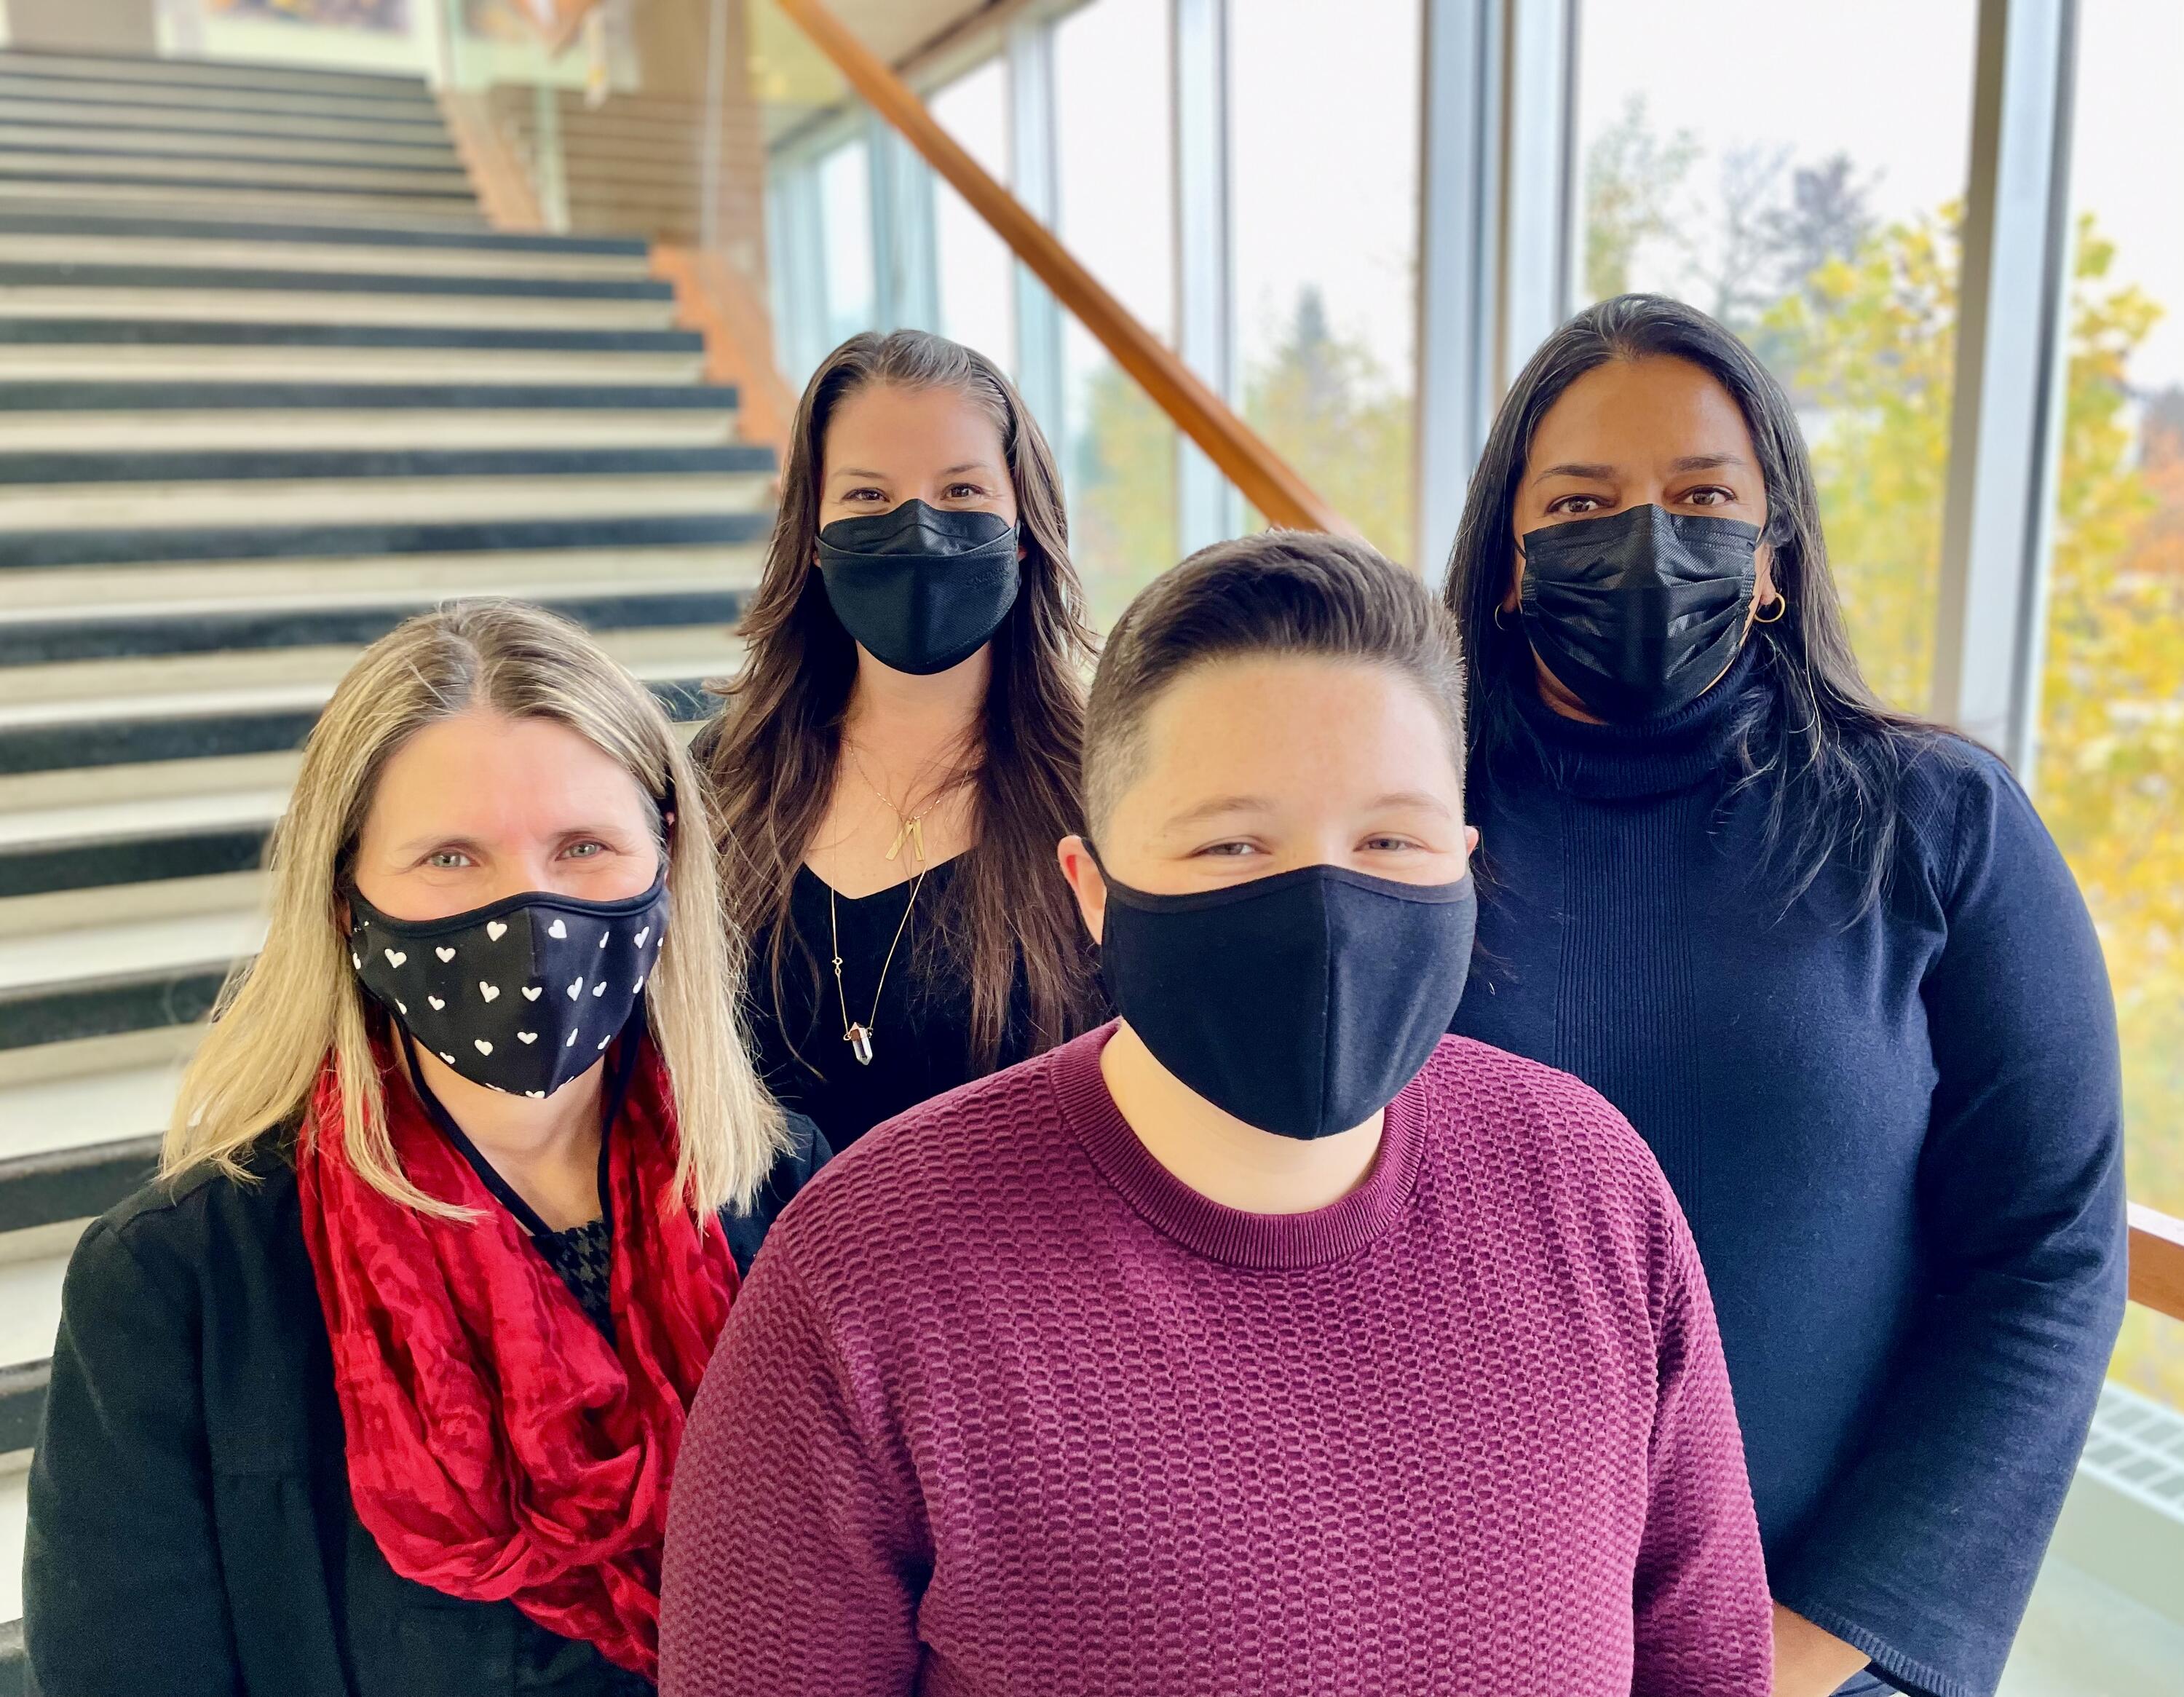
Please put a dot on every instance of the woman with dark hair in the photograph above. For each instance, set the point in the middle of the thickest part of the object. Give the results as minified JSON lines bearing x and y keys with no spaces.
{"x":1827,"y":962}
{"x":898,"y":755}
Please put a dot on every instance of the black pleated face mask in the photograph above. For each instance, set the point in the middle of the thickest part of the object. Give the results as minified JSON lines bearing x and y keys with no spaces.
{"x":521,"y":996}
{"x":922,"y":589}
{"x":1640,"y":612}
{"x":1301,"y":1003}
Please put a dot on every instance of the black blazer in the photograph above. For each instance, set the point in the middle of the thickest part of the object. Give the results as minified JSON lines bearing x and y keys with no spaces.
{"x":190,"y":1531}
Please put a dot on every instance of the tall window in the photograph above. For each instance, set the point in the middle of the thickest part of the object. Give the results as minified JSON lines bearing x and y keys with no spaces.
{"x":845,"y":213}
{"x":1324,"y":105}
{"x":1113,"y":128}
{"x":976,"y":278}
{"x":2110,"y":769}
{"x":1779,"y":168}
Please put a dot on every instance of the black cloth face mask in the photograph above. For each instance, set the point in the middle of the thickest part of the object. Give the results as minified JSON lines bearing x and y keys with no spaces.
{"x":922,"y":589}
{"x":1301,"y":1003}
{"x":1640,"y":612}
{"x":521,"y":996}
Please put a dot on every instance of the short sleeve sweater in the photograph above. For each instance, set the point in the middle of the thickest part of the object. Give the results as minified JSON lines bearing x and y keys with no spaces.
{"x":1004,"y":1409}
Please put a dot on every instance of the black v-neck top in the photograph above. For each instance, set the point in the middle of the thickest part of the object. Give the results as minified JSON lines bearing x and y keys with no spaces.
{"x":920,"y":1026}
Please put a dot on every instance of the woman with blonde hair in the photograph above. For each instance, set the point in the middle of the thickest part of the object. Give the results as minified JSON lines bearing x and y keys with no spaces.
{"x":379,"y":1386}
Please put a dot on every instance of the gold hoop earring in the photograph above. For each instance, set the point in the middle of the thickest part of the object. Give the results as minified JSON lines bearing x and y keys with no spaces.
{"x":1781,"y":606}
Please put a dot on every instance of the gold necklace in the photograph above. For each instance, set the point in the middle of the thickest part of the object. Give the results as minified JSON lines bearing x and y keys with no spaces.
{"x":909,"y":827}
{"x":860,"y":1037}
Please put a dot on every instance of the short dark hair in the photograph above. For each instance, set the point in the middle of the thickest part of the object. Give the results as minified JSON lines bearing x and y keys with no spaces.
{"x":1278,"y":593}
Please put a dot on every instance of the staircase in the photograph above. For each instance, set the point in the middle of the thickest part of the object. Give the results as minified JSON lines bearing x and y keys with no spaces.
{"x":268,"y":385}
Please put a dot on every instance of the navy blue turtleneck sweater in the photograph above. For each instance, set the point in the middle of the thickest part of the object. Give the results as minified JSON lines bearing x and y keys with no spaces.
{"x":1896,"y":1134}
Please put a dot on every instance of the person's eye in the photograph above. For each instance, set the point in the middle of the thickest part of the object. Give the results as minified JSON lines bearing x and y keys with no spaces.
{"x":447,"y":860}
{"x":862,"y":495}
{"x":1714,"y":495}
{"x":1575,"y":506}
{"x":1388,"y":842}
{"x":966,"y":492}
{"x":589,"y":849}
{"x":1229,"y":851}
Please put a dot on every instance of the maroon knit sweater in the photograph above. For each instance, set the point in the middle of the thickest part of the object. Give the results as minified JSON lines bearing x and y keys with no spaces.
{"x":1004,"y":1408}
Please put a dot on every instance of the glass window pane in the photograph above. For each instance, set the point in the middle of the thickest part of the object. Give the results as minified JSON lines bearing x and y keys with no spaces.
{"x":1324,"y":115}
{"x":1805,"y":189}
{"x":1114,"y":137}
{"x":2110,"y":775}
{"x":977,"y":308}
{"x":846,"y":212}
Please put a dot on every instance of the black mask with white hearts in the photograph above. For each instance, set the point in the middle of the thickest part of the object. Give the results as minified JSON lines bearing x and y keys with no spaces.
{"x":521,"y":996}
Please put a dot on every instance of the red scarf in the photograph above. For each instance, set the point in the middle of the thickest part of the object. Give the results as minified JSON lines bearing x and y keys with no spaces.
{"x":499,"y":1447}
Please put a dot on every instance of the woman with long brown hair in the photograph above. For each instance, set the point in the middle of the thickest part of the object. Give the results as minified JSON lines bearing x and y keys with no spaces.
{"x":898,"y":757}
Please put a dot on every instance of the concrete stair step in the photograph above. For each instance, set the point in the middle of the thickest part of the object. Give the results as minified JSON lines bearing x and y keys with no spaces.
{"x":277,"y":588}
{"x":181,"y":350}
{"x":124,"y":546}
{"x":248,"y":276}
{"x":15,"y":1518}
{"x":402,"y":398}
{"x":410,"y":111}
{"x":507,"y":426}
{"x":248,"y":680}
{"x":41,"y":106}
{"x":431,"y":189}
{"x":149,"y":781}
{"x":38,"y":292}
{"x":202,"y":707}
{"x":297,"y":167}
{"x":223,"y":73}
{"x":91,"y":632}
{"x":19,"y":188}
{"x":94,"y":362}
{"x":166,"y":840}
{"x":65,"y":1115}
{"x":115,"y":141}
{"x":189,"y":254}
{"x":422,"y":240}
{"x":149,"y":508}
{"x":280,"y":469}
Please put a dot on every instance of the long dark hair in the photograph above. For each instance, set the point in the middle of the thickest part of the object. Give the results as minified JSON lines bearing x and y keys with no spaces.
{"x":772,"y":749}
{"x":1809,"y":734}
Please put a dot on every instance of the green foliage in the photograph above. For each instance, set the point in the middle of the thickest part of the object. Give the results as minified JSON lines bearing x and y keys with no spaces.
{"x":1329,"y":407}
{"x":1124,"y":483}
{"x":1874,"y":337}
{"x":1633,"y":179}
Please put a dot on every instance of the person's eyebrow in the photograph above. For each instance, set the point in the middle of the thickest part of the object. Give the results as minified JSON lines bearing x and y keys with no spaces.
{"x":1218,"y":806}
{"x":1710,"y":462}
{"x":434,"y":843}
{"x":855,"y":472}
{"x":1416,"y":798}
{"x":1590,"y":473}
{"x":967,"y":465}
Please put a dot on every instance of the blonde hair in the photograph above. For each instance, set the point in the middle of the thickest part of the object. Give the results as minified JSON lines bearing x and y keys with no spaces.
{"x":282,"y":1018}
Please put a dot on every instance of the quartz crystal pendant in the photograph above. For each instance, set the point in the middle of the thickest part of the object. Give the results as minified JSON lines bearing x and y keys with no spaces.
{"x":860,"y":1039}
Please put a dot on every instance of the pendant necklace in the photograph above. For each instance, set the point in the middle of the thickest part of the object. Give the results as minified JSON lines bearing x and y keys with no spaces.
{"x":911,"y":831}
{"x":860,"y":1037}
{"x":909,"y":827}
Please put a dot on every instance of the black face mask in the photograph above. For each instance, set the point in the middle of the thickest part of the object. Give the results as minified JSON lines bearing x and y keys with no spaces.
{"x":521,"y":996}
{"x":1640,"y":612}
{"x":1301,"y":1003}
{"x":922,"y":589}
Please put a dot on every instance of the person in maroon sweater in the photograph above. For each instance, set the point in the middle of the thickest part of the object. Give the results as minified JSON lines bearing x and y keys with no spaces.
{"x":1267,"y":1340}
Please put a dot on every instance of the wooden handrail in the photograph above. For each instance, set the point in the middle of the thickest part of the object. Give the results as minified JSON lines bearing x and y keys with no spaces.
{"x":1266,"y":481}
{"x":2156,"y":1260}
